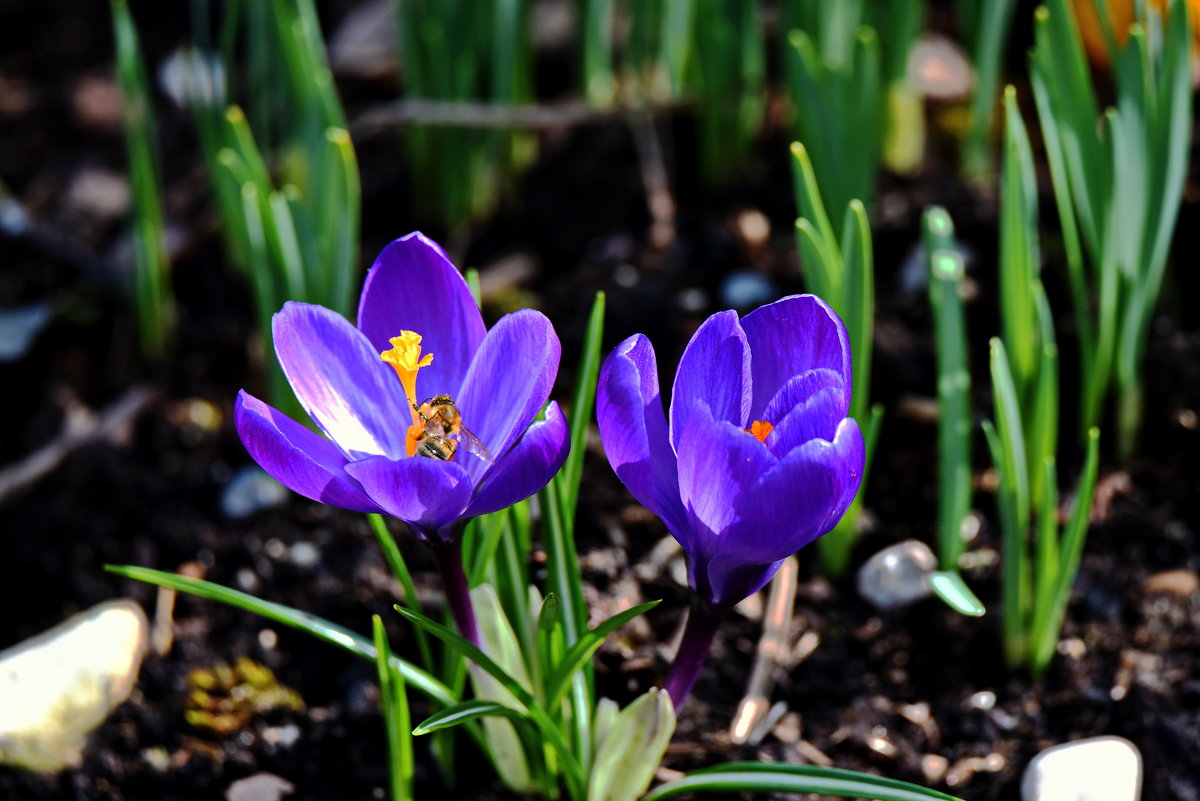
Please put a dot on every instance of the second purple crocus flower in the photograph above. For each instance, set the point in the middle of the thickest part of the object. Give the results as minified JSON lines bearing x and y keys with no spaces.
{"x":755,"y":459}
{"x":419,"y":335}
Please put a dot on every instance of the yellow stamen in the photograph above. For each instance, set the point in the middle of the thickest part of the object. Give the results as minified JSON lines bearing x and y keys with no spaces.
{"x":759,"y":429}
{"x":405,"y":357}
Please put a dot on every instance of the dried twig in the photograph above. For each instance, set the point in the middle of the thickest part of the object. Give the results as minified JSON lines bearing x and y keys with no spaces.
{"x":90,"y":429}
{"x":655,"y":178}
{"x":464,"y":114}
{"x":754,"y":712}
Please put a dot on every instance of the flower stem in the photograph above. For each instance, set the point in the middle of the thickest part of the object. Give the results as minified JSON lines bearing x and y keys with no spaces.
{"x":458,"y":593}
{"x":702,"y":624}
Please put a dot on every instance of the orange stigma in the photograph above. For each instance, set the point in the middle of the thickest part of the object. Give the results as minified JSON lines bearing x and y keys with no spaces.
{"x":759,"y":429}
{"x":405,"y":356}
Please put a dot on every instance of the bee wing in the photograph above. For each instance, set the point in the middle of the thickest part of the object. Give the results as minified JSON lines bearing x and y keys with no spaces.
{"x":473,"y":443}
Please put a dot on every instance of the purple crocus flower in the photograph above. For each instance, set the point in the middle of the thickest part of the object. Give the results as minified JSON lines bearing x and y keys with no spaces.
{"x":419,"y":335}
{"x":756,"y":458}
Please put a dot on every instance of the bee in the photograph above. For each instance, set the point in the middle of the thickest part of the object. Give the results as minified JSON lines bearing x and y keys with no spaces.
{"x":444,"y":431}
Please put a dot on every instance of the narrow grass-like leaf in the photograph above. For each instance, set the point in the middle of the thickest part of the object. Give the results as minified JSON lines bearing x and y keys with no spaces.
{"x":487,"y":531}
{"x":1049,"y":623}
{"x":518,"y":765}
{"x":1041,"y":420}
{"x":950,"y":587}
{"x":992,"y":21}
{"x":1018,"y":249}
{"x":811,"y":207}
{"x":946,"y":271}
{"x":395,"y":715}
{"x":778,"y":778}
{"x":842,"y":273}
{"x":510,"y":573}
{"x":537,"y":714}
{"x":559,"y":504}
{"x":464,"y":711}
{"x":294,"y":618}
{"x":1012,"y":499}
{"x":583,"y":401}
{"x":858,"y":303}
{"x":399,"y":568}
{"x":581,"y":651}
{"x":550,"y":645}
{"x":1046,"y":555}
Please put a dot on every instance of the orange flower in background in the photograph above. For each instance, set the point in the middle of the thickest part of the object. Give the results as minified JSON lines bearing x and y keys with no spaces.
{"x":1121,"y":14}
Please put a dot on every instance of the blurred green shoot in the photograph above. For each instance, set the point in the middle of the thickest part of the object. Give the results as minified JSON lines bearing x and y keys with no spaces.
{"x":946,"y":271}
{"x":465,"y":52}
{"x":290,"y":215}
{"x":835,"y":77}
{"x":652,"y":65}
{"x":1026,"y":320}
{"x":841,"y":272}
{"x":152,"y":291}
{"x":986,"y":25}
{"x":898,"y":23}
{"x":1118,"y":178}
{"x":599,"y":56}
{"x":729,"y":82}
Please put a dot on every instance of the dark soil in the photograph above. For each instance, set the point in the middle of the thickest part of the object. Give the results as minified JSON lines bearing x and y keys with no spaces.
{"x":883,"y":693}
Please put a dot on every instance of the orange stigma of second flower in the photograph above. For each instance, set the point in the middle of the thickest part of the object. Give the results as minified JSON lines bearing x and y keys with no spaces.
{"x":759,"y":429}
{"x":405,"y":357}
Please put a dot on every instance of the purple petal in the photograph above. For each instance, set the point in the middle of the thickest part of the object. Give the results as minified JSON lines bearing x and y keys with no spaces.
{"x":792,"y":336}
{"x":816,"y":418}
{"x":724,"y":582}
{"x":800,"y":388}
{"x":296,"y":457}
{"x":423,"y":492}
{"x":798,"y":500}
{"x":340,"y":380}
{"x":633,"y":429}
{"x":527,"y":467}
{"x":848,"y":450}
{"x":412,"y":286}
{"x":717,"y":464}
{"x":714,"y":369}
{"x":508,"y":382}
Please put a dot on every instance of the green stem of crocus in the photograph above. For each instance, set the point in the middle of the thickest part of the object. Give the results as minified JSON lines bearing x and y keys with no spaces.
{"x":702,"y":624}
{"x":458,"y":592}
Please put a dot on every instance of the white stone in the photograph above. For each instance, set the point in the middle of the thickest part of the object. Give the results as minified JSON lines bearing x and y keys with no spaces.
{"x":251,"y":490}
{"x":193,"y":77}
{"x":305,"y":554}
{"x":898,"y":575}
{"x":259,"y":787}
{"x":19,"y":327}
{"x":1095,"y":769}
{"x":58,"y":686}
{"x":364,"y":44}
